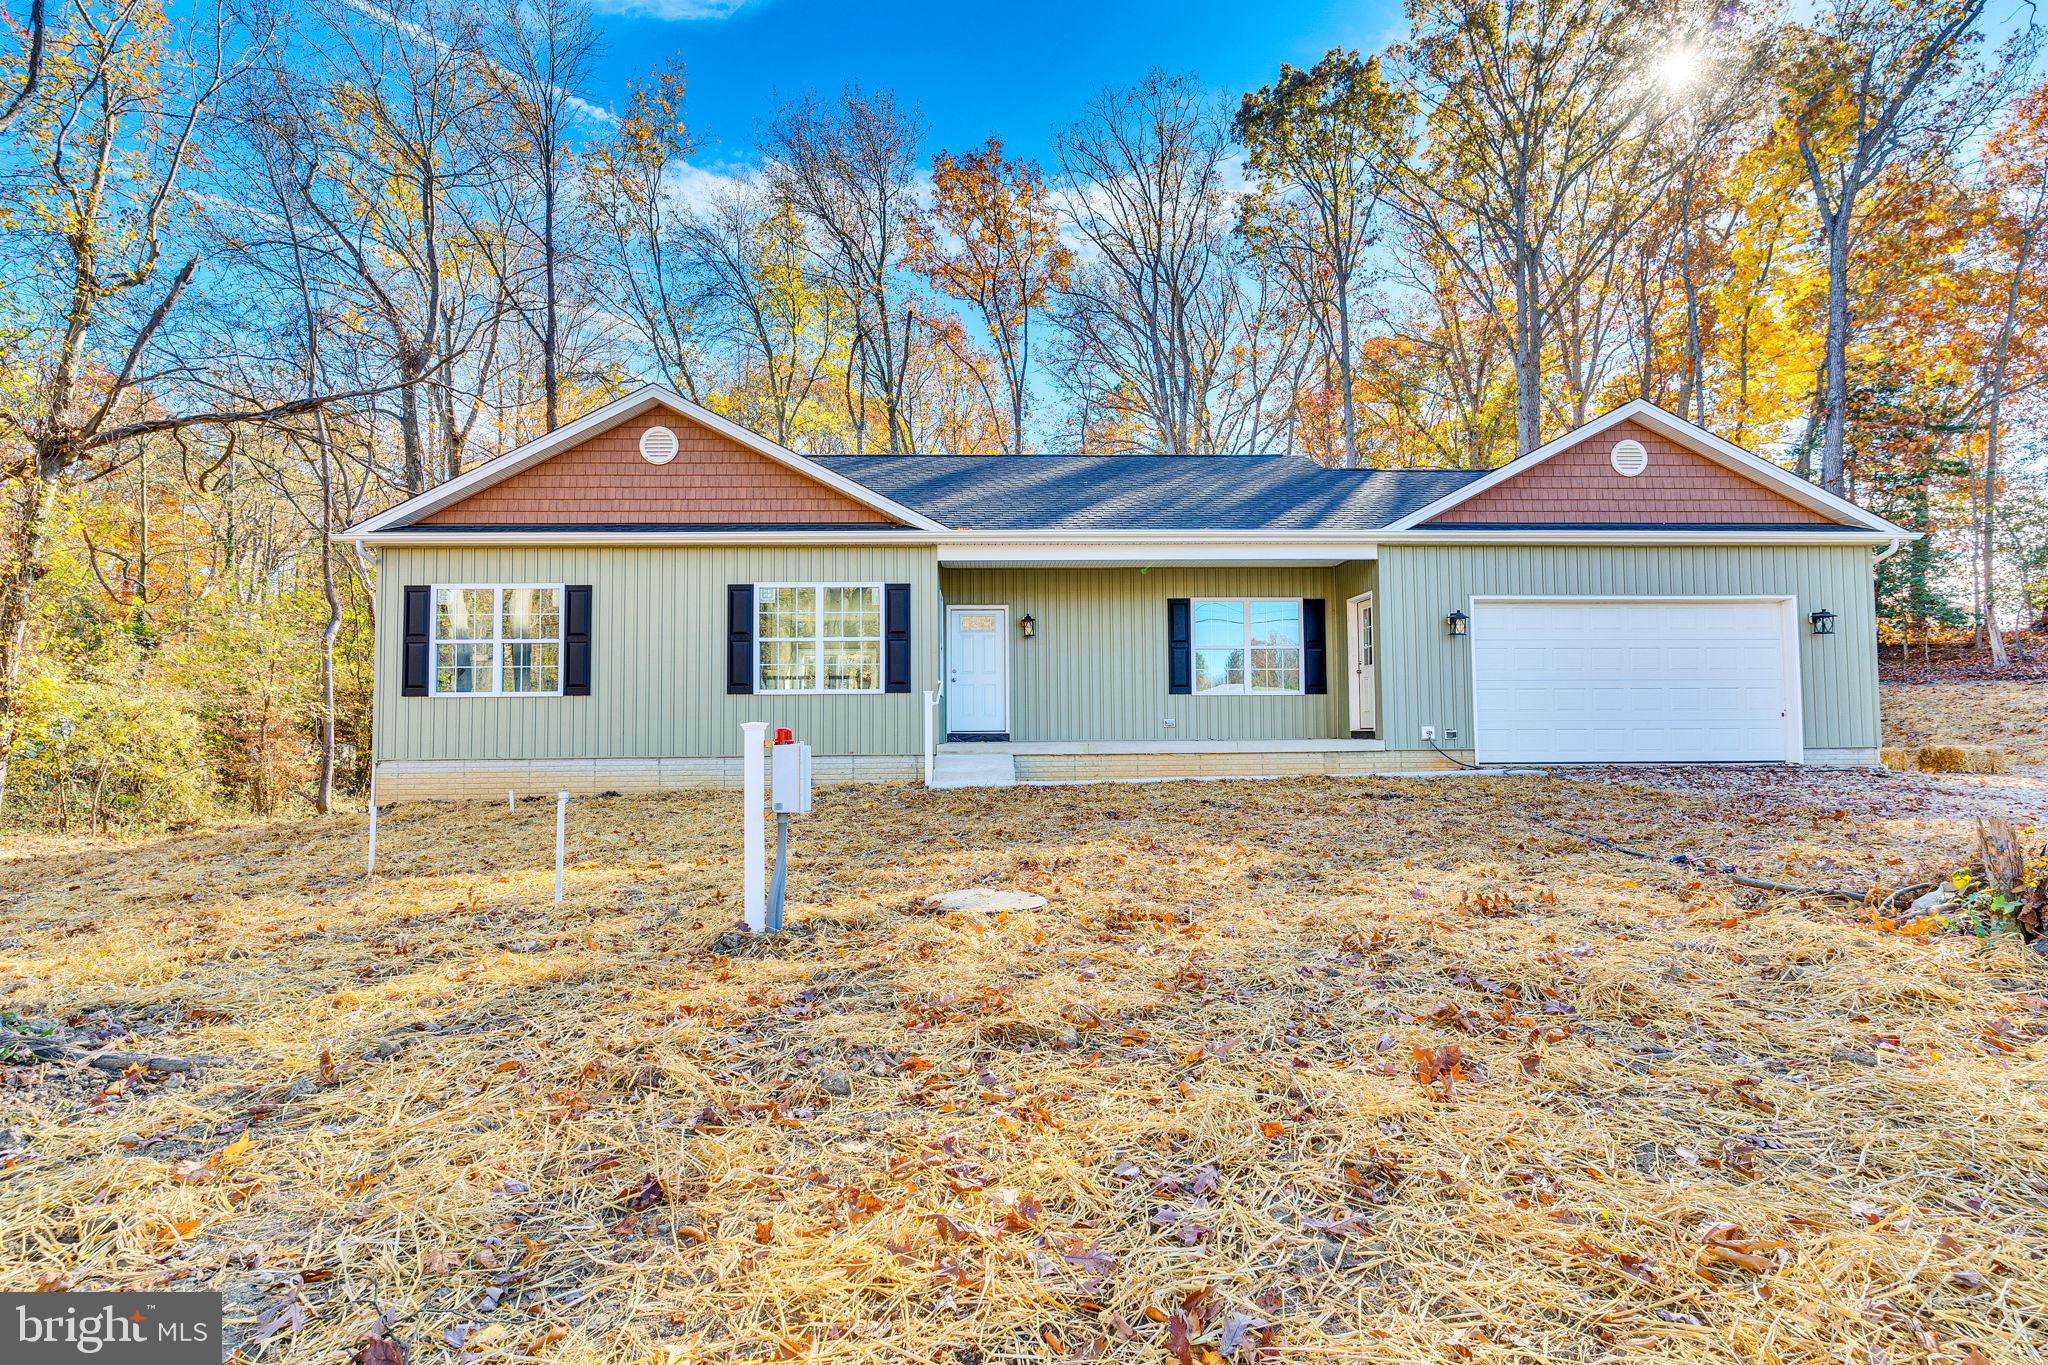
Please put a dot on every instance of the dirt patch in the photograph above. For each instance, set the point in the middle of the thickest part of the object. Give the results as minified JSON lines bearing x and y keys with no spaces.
{"x":1377,"y":1071}
{"x":1953,"y":661}
{"x":2012,"y":716}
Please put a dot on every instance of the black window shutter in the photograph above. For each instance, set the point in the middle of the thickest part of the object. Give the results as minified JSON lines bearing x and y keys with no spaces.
{"x":576,"y":640}
{"x":896,"y":637}
{"x":1180,"y":656}
{"x":1315,"y":653}
{"x":419,"y":606}
{"x":739,"y":638}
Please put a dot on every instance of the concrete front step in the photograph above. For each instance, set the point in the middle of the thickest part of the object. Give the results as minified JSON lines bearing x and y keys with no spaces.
{"x":974,"y":770}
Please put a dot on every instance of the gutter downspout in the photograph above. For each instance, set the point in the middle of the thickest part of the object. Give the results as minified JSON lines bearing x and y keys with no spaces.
{"x":1888,"y":551}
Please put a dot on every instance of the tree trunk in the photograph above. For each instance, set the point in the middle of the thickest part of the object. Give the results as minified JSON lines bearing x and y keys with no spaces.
{"x":329,"y":629}
{"x":551,"y":365}
{"x":1528,"y":356}
{"x":1835,"y":363}
{"x":415,"y":471}
{"x":31,"y":515}
{"x":1692,"y":388}
{"x":1344,"y":374}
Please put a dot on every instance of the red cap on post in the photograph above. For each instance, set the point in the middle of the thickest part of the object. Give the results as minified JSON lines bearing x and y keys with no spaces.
{"x":784,"y":735}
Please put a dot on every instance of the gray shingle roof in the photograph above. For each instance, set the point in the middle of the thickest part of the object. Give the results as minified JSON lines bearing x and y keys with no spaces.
{"x":1148,"y":492}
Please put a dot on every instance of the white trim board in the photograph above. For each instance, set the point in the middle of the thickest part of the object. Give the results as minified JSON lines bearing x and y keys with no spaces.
{"x":1099,"y":549}
{"x":603,"y":419}
{"x":1696,"y":439}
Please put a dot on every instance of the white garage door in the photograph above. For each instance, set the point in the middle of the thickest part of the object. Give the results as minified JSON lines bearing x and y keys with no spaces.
{"x":1567,"y":681}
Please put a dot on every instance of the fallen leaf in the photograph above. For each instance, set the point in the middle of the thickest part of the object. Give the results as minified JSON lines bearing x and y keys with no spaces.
{"x":381,"y":1350}
{"x":644,"y":1196}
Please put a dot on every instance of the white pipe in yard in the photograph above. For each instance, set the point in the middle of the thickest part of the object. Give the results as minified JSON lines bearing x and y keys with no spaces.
{"x":931,"y":711}
{"x":373,"y":821}
{"x":753,"y":842}
{"x":561,"y":831}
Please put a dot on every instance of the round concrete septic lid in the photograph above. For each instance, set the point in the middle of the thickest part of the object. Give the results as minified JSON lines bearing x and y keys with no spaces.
{"x":988,"y":899}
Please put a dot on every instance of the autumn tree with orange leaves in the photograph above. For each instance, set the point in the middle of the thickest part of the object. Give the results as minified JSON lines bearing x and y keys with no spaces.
{"x":991,"y":242}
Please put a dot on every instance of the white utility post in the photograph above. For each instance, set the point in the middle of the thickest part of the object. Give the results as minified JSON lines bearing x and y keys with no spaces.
{"x":373,"y":821}
{"x":931,"y":722}
{"x":561,"y":822}
{"x":753,"y":791}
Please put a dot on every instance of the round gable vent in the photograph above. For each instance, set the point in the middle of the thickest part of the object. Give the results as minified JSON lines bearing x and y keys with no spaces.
{"x":658,"y":445}
{"x":1629,"y":458}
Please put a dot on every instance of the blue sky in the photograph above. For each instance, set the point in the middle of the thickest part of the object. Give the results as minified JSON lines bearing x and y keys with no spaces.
{"x":1017,"y":72}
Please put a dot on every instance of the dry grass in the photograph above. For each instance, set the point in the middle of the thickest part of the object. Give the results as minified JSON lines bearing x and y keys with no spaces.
{"x":1347,"y":1071}
{"x":2009,"y":716}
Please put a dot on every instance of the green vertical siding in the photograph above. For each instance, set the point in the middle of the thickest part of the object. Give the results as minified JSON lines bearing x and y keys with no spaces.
{"x":658,"y":655}
{"x":1426,"y":674}
{"x":1353,"y":577}
{"x":1097,"y":669}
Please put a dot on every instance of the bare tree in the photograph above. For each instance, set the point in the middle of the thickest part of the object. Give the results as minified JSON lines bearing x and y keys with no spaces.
{"x":392,"y":141}
{"x":783,"y":322}
{"x":1147,"y":315}
{"x":849,"y":169}
{"x":639,"y":222}
{"x":538,"y":64}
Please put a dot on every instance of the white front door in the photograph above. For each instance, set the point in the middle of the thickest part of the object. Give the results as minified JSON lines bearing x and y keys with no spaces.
{"x":1364,"y":707}
{"x":978,"y":670}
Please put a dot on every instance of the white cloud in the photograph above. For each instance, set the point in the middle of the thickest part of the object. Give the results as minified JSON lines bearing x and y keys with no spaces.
{"x":596,"y":113}
{"x":695,"y":187}
{"x":675,"y":11}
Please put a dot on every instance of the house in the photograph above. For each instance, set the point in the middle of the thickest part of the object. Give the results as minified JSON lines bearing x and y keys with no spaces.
{"x":600,"y":610}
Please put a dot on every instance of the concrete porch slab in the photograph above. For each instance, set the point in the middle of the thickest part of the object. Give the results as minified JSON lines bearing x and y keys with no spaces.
{"x":975,"y":767}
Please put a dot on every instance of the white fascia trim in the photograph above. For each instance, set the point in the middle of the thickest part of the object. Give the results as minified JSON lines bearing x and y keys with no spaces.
{"x":571,"y":536}
{"x":1129,"y":547}
{"x":610,"y":415}
{"x":1567,"y":536}
{"x":1697,"y":439}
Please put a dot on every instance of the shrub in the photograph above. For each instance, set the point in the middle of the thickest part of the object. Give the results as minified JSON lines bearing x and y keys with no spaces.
{"x":117,"y":757}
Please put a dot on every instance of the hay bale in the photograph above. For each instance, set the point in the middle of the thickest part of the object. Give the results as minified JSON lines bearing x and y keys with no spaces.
{"x":1941,"y":758}
{"x":1898,"y":759}
{"x":1959,"y":758}
{"x":1983,"y":758}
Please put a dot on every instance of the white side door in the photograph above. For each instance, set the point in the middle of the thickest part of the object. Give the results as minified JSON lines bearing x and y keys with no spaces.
{"x":1364,"y":706}
{"x":978,"y":670}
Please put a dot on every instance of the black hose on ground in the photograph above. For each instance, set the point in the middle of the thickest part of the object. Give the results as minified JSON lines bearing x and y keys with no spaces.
{"x":1711,"y":866}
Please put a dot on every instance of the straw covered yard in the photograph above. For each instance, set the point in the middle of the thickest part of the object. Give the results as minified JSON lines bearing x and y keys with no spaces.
{"x":1305,"y":1070}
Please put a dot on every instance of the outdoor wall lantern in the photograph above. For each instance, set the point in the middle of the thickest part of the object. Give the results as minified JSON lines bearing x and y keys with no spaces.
{"x":1457,"y":621}
{"x":1029,"y":626}
{"x":1823,"y":622}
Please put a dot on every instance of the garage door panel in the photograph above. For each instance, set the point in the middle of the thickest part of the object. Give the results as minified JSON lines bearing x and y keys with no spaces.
{"x":1594,"y":682}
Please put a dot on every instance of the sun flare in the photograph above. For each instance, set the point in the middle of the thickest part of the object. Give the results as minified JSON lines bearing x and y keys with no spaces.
{"x":1679,"y":68}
